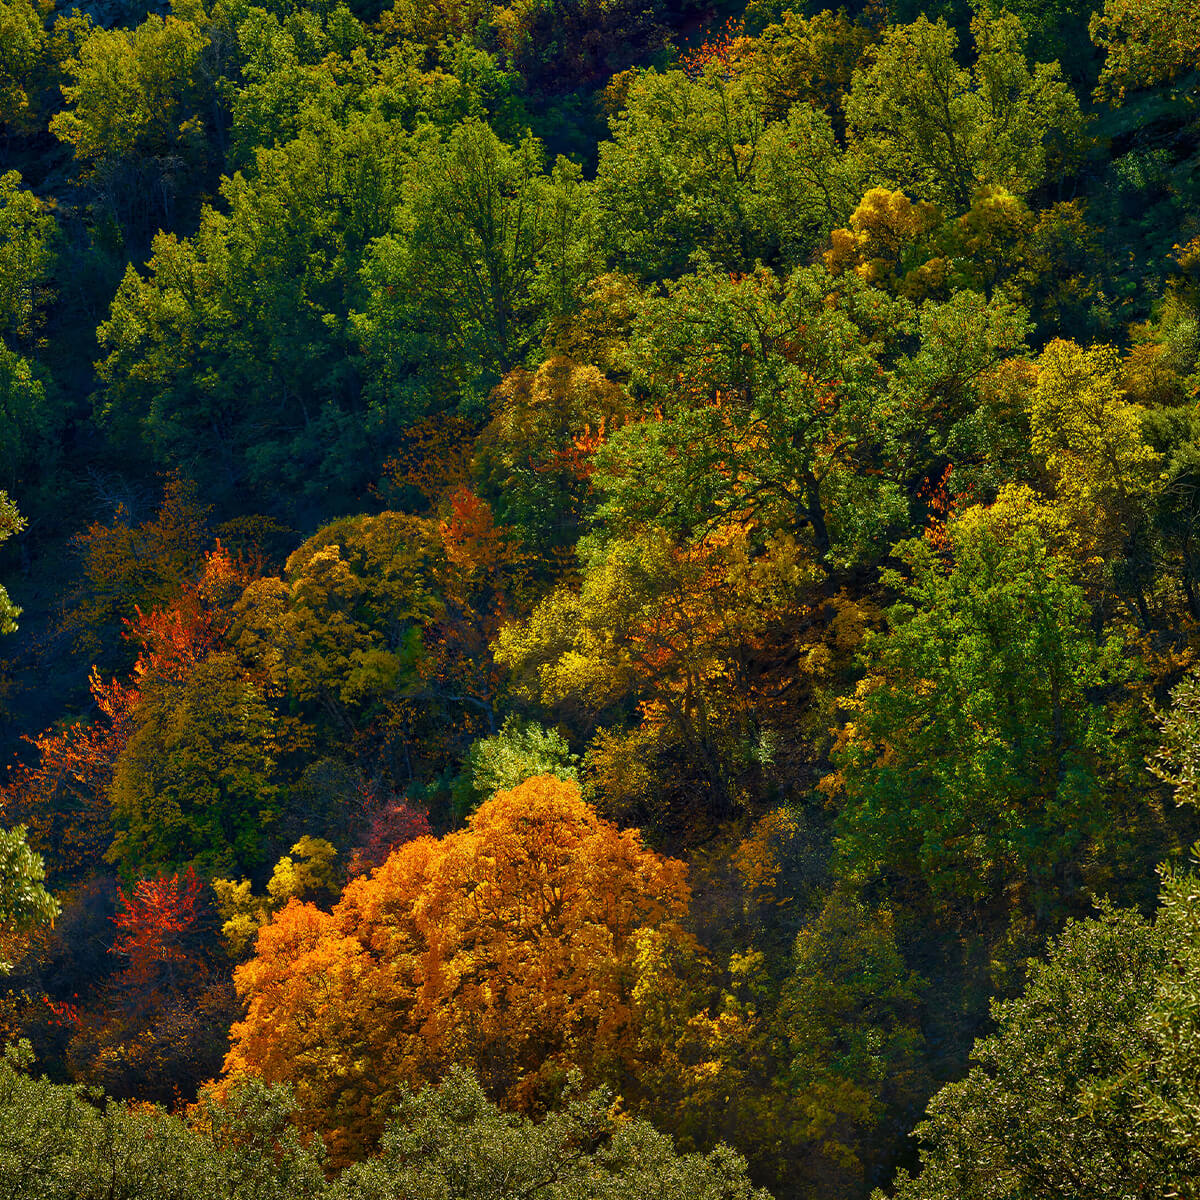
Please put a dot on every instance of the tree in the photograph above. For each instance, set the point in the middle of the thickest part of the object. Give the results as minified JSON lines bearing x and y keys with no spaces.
{"x":462,"y":291}
{"x":508,"y":947}
{"x":991,"y":751}
{"x":450,"y":1141}
{"x":1091,"y":439}
{"x":194,"y":785}
{"x":232,"y":355}
{"x":1088,"y":1085}
{"x":919,"y":121}
{"x":311,"y":875}
{"x":798,"y":404}
{"x":128,"y":568}
{"x":60,"y":1144}
{"x":156,"y":1030}
{"x":136,"y":116}
{"x":664,"y":647}
{"x":29,"y":419}
{"x":519,"y":751}
{"x":1146,"y":42}
{"x":534,"y":455}
{"x":23,"y":55}
{"x":11,"y":522}
{"x":24,"y":902}
{"x":344,"y":628}
{"x":693,"y":165}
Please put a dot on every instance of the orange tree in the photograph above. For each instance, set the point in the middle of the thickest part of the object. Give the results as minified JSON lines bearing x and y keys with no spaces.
{"x":509,"y":947}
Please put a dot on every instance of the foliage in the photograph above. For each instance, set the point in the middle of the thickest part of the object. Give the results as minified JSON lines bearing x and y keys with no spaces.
{"x":519,"y":751}
{"x":485,"y":254}
{"x":10,"y":523}
{"x":918,"y":120}
{"x":1087,"y":1087}
{"x":507,"y":947}
{"x":59,"y":1144}
{"x":987,"y":753}
{"x":694,"y":166}
{"x":309,"y":875}
{"x":451,"y":1141}
{"x":138,"y":102}
{"x":1145,"y":42}
{"x":24,"y":902}
{"x":193,"y":785}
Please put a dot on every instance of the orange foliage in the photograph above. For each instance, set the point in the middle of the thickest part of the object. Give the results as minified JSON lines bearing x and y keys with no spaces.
{"x":721,"y":50}
{"x":174,"y":639}
{"x":63,"y":797}
{"x":508,"y":946}
{"x":433,"y":459}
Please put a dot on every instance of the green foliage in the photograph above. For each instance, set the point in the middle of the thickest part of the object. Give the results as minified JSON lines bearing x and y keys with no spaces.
{"x":23,"y":54}
{"x":819,"y":433}
{"x":1088,"y":1087}
{"x":694,"y":166}
{"x":814,"y":1056}
{"x":1178,"y":759}
{"x":29,"y":420}
{"x":918,"y":120}
{"x":989,"y":757}
{"x":11,"y":522}
{"x":341,"y":631}
{"x":195,"y":783}
{"x":488,"y":250}
{"x":24,"y":902}
{"x":138,"y":101}
{"x":449,"y":1141}
{"x":521,"y":750}
{"x":61,"y":1144}
{"x":1145,"y":42}
{"x":233,"y":353}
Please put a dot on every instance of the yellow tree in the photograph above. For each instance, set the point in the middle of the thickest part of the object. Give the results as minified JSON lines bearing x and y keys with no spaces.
{"x":1104,"y":474}
{"x":509,"y":947}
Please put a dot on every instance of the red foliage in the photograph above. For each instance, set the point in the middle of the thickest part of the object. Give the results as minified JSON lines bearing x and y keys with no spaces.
{"x":154,"y":922}
{"x":390,"y":822}
{"x":174,"y":639}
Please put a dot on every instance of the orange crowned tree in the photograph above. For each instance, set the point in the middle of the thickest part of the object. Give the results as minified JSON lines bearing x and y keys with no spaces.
{"x":510,"y":947}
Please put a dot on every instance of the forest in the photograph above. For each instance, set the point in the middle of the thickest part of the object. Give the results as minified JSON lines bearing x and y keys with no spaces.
{"x":601,"y":600}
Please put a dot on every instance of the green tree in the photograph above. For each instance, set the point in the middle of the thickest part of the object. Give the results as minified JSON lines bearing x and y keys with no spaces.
{"x":799,"y":404}
{"x":920,"y":121}
{"x":449,"y":1141}
{"x":29,"y":419}
{"x":24,"y":902}
{"x":519,"y":751}
{"x":195,"y":783}
{"x":232,"y":354}
{"x":60,"y":1144}
{"x":1089,"y":1085}
{"x":693,"y":165}
{"x":137,"y":105}
{"x":1145,"y":42}
{"x":487,"y":252}
{"x":11,"y":522}
{"x":23,"y":60}
{"x":992,"y":755}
